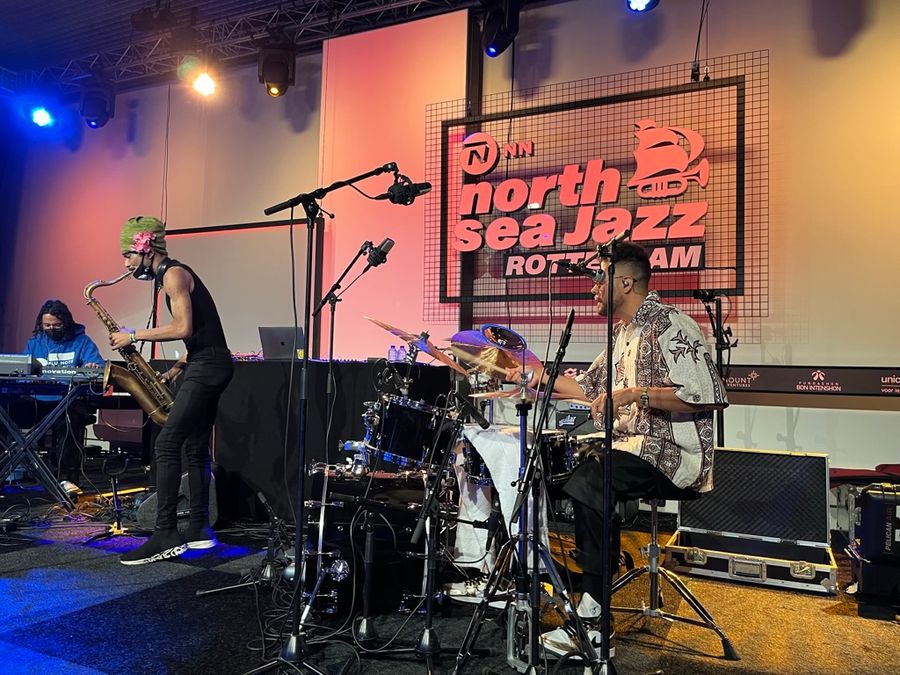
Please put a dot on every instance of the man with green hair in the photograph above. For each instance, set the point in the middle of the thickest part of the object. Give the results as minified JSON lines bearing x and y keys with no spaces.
{"x":207,"y":368}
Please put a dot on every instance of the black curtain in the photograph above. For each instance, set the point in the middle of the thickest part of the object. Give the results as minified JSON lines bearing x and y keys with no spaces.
{"x":12,"y":155}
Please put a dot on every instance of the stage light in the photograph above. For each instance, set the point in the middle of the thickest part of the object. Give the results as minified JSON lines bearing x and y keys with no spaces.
{"x":641,"y":5}
{"x":98,"y":103}
{"x":500,"y":27}
{"x":276,"y":68}
{"x":204,"y":84}
{"x":40,"y":116}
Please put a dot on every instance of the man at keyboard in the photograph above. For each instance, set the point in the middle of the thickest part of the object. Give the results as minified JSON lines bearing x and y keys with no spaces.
{"x":59,"y":342}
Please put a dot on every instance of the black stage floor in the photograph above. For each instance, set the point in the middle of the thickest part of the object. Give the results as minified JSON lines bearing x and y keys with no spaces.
{"x":69,"y":606}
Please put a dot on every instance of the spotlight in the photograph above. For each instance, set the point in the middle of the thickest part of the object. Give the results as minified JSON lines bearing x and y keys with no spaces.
{"x":641,"y":5}
{"x":40,"y":116}
{"x":98,"y":104}
{"x":196,"y":70}
{"x":204,"y":84}
{"x":501,"y":25}
{"x":276,"y":69}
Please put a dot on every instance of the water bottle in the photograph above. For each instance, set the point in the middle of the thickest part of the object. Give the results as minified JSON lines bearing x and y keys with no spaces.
{"x":401,"y":353}
{"x":392,"y":354}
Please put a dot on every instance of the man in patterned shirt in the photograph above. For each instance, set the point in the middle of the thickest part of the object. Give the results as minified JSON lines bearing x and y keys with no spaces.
{"x":665,"y":389}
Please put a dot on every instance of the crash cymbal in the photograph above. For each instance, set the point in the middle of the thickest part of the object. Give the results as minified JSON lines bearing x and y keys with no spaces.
{"x":426,"y":346}
{"x":531,"y":395}
{"x":485,"y":351}
{"x":420,"y":342}
{"x":393,"y":330}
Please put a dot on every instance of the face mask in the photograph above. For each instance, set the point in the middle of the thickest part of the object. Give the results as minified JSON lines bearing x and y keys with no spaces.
{"x":144,"y":272}
{"x":55,"y":334}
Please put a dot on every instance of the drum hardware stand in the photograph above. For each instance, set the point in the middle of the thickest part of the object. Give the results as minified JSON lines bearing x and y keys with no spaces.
{"x":268,"y":570}
{"x":527,"y":607}
{"x":113,"y":471}
{"x":722,"y":336}
{"x":295,"y":649}
{"x":428,"y":645}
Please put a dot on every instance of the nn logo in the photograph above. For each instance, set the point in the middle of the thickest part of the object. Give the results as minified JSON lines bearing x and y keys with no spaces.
{"x":480,"y":153}
{"x":818,"y":376}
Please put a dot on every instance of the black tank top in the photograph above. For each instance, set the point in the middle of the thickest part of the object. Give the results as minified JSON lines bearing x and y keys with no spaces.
{"x":207,"y":327}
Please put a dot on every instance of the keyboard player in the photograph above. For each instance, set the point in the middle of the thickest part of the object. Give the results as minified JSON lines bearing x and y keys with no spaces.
{"x":59,"y":342}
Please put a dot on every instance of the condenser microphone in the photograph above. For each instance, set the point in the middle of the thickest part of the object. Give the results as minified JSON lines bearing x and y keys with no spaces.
{"x":404,"y":191}
{"x":377,"y":255}
{"x":582,"y":270}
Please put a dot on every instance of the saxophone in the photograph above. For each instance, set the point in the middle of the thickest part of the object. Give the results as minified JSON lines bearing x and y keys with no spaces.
{"x":137,"y":378}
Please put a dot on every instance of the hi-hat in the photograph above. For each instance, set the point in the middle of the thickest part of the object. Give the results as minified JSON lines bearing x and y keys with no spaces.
{"x":421,"y":343}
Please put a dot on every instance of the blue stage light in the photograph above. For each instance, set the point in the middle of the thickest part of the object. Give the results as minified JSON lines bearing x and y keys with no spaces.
{"x":41,"y":116}
{"x":641,"y":5}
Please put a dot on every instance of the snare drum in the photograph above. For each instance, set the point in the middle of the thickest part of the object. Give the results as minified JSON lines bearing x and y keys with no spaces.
{"x":407,"y":430}
{"x":557,"y":456}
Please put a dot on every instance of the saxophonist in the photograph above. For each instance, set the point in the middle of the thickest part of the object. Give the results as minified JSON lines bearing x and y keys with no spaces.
{"x":206,"y":370}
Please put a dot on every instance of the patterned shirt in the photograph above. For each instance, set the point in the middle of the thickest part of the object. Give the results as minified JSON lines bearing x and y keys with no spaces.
{"x":662,"y":347}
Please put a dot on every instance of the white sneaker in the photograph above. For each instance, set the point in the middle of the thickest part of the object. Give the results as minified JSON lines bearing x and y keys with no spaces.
{"x":470,"y":588}
{"x":588,"y":608}
{"x":560,"y":641}
{"x":472,"y":591}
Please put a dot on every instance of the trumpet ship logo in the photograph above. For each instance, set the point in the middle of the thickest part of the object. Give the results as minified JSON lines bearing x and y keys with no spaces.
{"x":664,"y":166}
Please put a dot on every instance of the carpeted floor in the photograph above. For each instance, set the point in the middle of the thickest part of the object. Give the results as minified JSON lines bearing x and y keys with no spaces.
{"x":68,"y":606}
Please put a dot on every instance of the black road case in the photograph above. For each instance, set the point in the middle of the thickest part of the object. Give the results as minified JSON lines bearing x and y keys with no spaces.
{"x":766,"y":521}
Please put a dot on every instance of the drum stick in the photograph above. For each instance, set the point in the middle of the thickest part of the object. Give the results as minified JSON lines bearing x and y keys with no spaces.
{"x":466,"y":356}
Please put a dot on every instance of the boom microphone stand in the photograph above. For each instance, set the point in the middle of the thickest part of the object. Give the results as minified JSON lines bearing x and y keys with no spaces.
{"x":376,"y":257}
{"x":606,"y":665}
{"x":295,"y":648}
{"x":722,"y":336}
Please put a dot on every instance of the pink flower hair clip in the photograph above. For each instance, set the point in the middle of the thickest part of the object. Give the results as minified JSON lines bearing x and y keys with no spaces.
{"x":141,"y":241}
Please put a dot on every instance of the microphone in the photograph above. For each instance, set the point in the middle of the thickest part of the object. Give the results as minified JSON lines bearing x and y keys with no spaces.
{"x":703,"y":295}
{"x":624,"y":234}
{"x":379,"y":255}
{"x":493,"y":521}
{"x":474,"y":412}
{"x":582,"y":270}
{"x":404,"y":191}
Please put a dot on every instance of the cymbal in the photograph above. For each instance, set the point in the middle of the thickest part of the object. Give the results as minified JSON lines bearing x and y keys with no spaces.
{"x":421,"y":343}
{"x":530,"y":394}
{"x":486,"y":352}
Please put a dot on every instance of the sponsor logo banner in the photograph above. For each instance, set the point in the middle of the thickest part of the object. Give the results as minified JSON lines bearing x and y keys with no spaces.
{"x":843,"y":380}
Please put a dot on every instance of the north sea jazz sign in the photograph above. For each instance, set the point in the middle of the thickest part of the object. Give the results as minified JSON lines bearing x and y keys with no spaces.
{"x":668,"y":161}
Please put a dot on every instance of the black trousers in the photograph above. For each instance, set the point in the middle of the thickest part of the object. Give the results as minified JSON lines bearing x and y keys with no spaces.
{"x":189,"y":428}
{"x":631,"y":477}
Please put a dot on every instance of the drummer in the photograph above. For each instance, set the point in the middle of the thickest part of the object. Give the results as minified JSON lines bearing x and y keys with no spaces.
{"x":665,"y":389}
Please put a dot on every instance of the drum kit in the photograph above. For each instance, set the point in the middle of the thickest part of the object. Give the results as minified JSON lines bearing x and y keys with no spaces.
{"x":400,"y":430}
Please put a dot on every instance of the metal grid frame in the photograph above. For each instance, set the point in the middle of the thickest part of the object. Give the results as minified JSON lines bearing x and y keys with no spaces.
{"x":736,"y":96}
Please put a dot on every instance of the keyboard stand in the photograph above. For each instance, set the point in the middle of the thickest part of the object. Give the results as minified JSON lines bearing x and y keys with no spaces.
{"x":24,"y":447}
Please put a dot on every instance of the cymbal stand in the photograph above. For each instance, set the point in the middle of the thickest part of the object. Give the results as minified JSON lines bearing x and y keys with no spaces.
{"x":524,"y":626}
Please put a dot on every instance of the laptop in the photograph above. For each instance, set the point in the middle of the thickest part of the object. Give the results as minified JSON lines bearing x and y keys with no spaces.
{"x":277,"y":342}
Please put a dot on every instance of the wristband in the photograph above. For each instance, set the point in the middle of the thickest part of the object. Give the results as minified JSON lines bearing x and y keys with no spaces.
{"x":133,"y":337}
{"x":645,"y":397}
